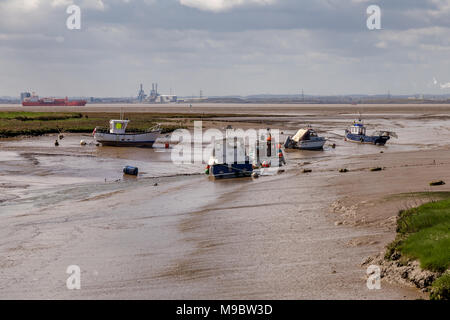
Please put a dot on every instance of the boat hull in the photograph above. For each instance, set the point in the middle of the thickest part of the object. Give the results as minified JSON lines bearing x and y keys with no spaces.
{"x":380,"y":140}
{"x":56,"y":103}
{"x":314,"y":144}
{"x":310,"y":145}
{"x":234,"y":170}
{"x":143,"y":140}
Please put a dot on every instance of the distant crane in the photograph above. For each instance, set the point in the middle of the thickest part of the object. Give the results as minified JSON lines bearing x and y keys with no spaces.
{"x":141,"y":94}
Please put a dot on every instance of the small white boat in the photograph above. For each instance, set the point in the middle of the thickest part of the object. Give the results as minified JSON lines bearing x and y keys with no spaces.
{"x":116,"y":136}
{"x":305,"y":139}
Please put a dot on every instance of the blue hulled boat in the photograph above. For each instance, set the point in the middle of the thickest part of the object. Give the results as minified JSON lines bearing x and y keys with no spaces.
{"x":229,"y":159}
{"x":357,"y":133}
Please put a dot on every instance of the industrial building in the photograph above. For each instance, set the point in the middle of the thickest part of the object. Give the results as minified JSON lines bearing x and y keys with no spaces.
{"x":154,"y":96}
{"x":24,"y":95}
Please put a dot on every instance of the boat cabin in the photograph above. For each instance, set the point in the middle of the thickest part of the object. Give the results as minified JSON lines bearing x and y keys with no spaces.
{"x":305,"y":134}
{"x":118,"y":126}
{"x":358,"y":128}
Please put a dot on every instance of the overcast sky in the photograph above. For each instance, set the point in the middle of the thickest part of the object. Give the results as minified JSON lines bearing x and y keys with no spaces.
{"x":224,"y":47}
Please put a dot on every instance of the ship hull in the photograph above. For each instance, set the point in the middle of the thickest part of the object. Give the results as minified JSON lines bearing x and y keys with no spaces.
{"x":77,"y":103}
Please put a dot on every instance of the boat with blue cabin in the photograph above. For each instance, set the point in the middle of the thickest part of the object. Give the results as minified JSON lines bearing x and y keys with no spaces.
{"x":357,"y":133}
{"x":229,"y":159}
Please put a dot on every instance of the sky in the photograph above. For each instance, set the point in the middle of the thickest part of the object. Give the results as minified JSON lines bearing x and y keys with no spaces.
{"x":224,"y":47}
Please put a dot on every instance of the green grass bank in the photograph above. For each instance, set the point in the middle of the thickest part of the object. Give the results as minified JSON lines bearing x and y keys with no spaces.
{"x":423,"y":234}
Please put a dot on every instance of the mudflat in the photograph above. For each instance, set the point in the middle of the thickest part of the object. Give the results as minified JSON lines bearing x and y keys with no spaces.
{"x":322,"y":109}
{"x":172,"y":233}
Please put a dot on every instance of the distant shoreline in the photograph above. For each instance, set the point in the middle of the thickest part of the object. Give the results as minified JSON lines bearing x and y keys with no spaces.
{"x":238,"y":108}
{"x":317,"y":100}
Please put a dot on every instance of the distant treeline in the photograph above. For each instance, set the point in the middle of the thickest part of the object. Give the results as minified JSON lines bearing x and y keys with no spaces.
{"x":323,"y":100}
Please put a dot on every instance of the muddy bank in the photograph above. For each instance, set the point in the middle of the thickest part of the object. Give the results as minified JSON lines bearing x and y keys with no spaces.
{"x":410,"y":274}
{"x":294,"y":235}
{"x":373,"y":199}
{"x":322,"y":109}
{"x":225,"y":241}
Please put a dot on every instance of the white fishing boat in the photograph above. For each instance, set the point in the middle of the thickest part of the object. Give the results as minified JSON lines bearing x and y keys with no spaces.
{"x":305,"y":139}
{"x":118,"y":137}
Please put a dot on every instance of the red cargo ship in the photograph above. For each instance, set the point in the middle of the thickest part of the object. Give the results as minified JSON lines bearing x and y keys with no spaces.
{"x":33,"y":100}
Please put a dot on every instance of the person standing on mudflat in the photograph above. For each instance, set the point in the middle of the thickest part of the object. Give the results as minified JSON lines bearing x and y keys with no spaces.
{"x":269,"y":143}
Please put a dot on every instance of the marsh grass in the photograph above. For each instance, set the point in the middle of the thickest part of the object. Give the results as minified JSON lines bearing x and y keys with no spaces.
{"x":423,"y":233}
{"x":42,"y":116}
{"x":37,"y":123}
{"x":440,"y":289}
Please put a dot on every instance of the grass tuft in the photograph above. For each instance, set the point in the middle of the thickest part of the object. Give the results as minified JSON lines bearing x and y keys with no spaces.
{"x":440,"y":289}
{"x":423,"y":233}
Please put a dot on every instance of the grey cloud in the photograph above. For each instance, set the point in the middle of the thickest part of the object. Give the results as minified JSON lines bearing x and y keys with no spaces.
{"x":322,"y":46}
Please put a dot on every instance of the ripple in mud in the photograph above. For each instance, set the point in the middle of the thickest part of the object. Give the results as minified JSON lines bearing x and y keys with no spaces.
{"x":31,"y":157}
{"x":6,"y":197}
{"x":9,"y":185}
